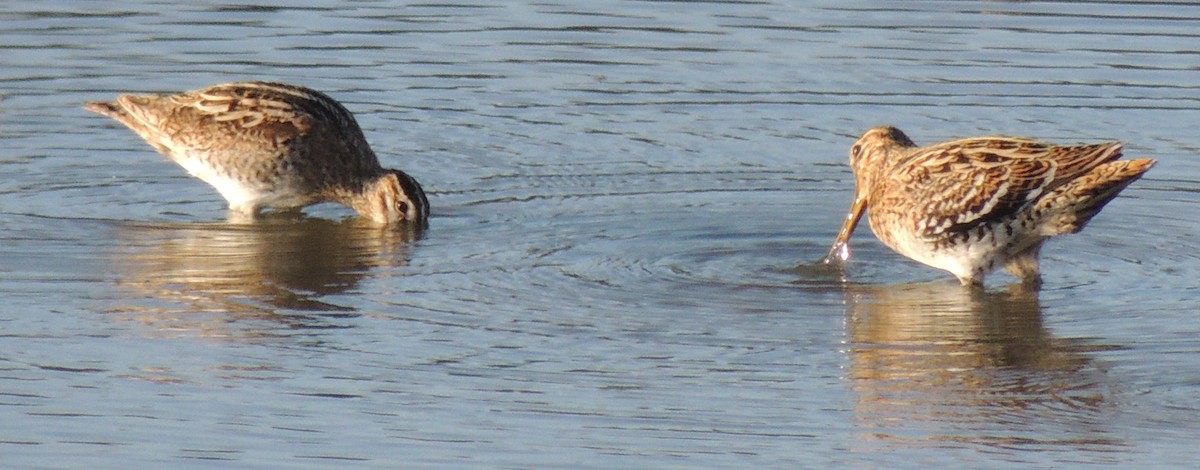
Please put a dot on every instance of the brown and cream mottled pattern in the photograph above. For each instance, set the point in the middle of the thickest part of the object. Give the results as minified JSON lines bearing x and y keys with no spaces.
{"x":271,"y":145}
{"x":970,"y":206}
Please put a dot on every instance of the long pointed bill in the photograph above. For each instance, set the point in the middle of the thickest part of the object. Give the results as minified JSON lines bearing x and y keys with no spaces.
{"x":840,"y":251}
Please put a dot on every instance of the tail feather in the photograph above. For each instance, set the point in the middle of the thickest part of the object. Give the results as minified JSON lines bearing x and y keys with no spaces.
{"x":128,"y":111}
{"x":117,"y":111}
{"x":105,"y":108}
{"x":135,"y":112}
{"x":1074,"y":204}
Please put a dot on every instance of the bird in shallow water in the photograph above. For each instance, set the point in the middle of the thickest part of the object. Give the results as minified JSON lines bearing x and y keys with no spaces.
{"x":271,"y":145}
{"x":972,"y":205}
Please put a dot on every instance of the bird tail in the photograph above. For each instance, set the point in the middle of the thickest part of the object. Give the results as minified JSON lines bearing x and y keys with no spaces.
{"x":134,"y":111}
{"x":1072,"y":206}
{"x":103,"y":107}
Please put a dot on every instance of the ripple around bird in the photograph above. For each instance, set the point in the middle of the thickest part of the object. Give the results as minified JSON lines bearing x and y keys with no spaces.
{"x":627,"y":201}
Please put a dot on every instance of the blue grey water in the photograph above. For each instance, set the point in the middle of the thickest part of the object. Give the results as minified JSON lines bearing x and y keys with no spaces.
{"x":626,"y":195}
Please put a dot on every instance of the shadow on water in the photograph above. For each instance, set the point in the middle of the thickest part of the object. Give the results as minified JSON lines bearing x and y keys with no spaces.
{"x":932,"y":363}
{"x":253,"y":270}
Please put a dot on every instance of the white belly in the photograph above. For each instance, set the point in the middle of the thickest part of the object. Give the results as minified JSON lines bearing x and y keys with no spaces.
{"x":242,"y":197}
{"x":963,"y":259}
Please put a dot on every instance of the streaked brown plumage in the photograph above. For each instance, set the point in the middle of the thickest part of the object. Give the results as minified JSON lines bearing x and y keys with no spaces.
{"x":972,"y":205}
{"x":271,"y":145}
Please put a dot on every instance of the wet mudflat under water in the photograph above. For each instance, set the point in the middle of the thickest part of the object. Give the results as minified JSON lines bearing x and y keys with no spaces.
{"x":622,"y":194}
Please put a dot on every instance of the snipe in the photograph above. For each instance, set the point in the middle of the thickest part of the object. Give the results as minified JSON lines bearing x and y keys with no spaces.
{"x":271,"y":145}
{"x":972,"y":205}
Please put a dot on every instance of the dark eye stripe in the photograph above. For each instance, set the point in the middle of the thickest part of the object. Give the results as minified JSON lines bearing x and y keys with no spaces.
{"x":415,"y":194}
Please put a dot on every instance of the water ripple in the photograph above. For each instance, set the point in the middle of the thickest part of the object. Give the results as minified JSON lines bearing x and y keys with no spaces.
{"x":628,"y":199}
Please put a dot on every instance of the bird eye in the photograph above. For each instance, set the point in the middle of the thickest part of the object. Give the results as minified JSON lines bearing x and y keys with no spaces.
{"x":402,"y":207}
{"x":855,"y":150}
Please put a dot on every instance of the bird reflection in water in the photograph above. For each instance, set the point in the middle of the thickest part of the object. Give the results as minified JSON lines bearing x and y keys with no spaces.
{"x":279,"y":269}
{"x":932,"y":362}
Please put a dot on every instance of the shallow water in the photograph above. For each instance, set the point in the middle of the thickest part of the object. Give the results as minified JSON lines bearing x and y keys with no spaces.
{"x":627,"y":196}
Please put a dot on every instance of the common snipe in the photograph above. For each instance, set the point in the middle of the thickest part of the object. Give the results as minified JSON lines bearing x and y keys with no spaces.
{"x":271,"y":145}
{"x":972,"y":205}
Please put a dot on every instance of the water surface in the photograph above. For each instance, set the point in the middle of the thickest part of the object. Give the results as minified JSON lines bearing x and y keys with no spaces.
{"x":626,"y":195}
